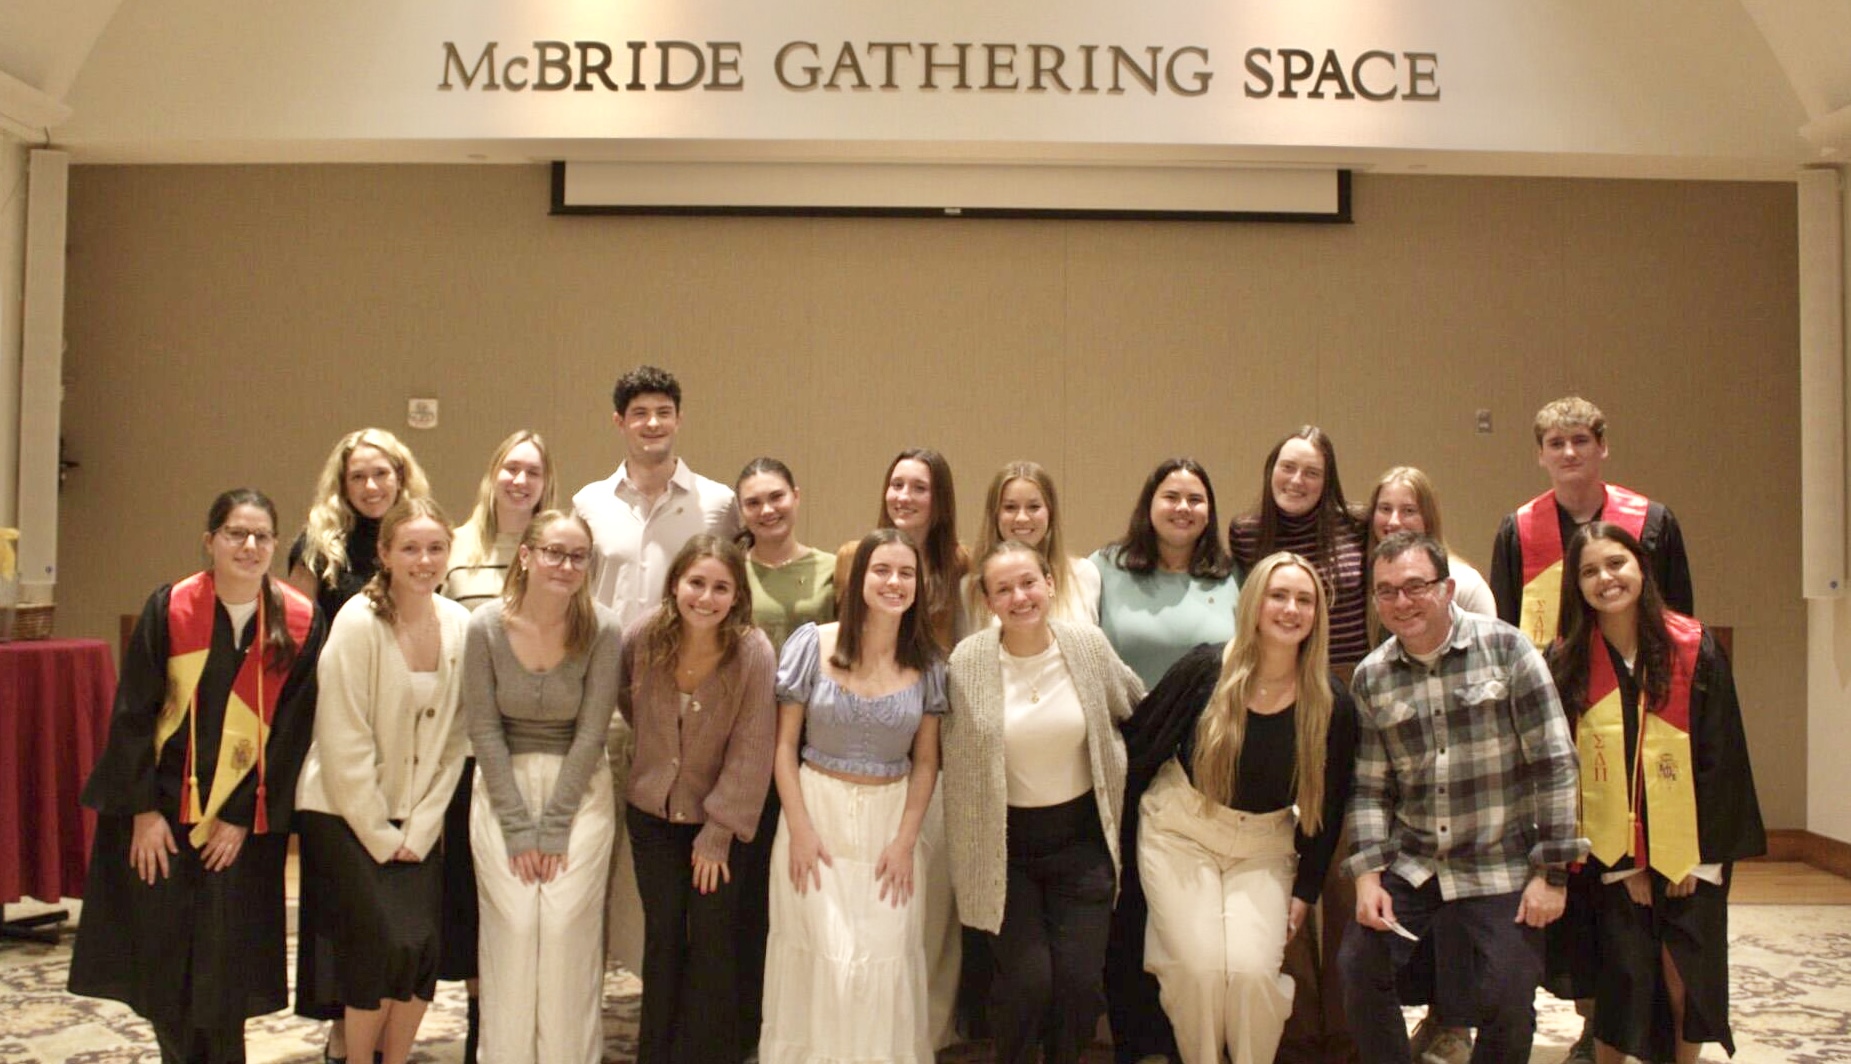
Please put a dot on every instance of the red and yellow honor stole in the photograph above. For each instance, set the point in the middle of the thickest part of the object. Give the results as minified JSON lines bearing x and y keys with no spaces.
{"x":1616,"y":798}
{"x":1539,"y":536}
{"x":192,"y":607}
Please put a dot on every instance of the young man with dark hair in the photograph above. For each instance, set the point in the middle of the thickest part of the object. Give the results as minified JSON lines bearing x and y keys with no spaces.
{"x":640,"y":517}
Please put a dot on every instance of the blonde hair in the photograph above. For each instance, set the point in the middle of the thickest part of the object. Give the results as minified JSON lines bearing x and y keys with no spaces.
{"x":1427,"y":500}
{"x":378,"y":590}
{"x":1222,"y":727}
{"x":581,"y":616}
{"x":331,"y":516}
{"x":483,"y":526}
{"x":1055,"y":562}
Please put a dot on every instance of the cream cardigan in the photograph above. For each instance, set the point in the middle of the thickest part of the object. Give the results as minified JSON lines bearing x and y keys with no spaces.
{"x":377,"y":757}
{"x":976,"y":786}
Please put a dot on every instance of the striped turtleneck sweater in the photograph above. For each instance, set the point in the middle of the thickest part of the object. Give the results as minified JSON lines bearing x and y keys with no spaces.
{"x":1342,"y":573}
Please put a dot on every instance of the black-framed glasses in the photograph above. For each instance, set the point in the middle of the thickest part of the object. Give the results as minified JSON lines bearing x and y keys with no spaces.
{"x":236,"y":537}
{"x":1413,"y":589}
{"x":554,"y":557}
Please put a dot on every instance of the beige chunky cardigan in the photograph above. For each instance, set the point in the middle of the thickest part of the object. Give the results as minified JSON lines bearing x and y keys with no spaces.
{"x":975,"y":786}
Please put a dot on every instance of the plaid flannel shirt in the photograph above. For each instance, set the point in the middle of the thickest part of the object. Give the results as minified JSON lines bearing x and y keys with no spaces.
{"x":1464,"y":771}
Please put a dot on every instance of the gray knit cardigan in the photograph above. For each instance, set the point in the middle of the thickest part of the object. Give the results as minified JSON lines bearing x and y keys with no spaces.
{"x":976,"y":789}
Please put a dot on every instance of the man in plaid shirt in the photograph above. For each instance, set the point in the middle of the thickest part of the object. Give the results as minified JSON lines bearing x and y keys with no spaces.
{"x":1463,"y":814}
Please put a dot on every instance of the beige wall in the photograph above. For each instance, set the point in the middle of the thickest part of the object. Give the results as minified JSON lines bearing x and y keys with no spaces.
{"x":227,"y":323}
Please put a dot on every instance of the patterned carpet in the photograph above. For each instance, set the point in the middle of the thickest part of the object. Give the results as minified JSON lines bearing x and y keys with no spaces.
{"x":1790,"y":980}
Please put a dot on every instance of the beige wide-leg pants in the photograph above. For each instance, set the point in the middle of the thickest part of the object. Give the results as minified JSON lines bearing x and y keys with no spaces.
{"x":541,"y":956}
{"x":1219,"y":886}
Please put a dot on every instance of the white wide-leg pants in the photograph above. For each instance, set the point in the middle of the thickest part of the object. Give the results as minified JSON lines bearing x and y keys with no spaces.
{"x":541,"y":944}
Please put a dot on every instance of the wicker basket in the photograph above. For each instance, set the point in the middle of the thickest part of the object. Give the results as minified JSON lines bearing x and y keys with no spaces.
{"x":31,"y":621}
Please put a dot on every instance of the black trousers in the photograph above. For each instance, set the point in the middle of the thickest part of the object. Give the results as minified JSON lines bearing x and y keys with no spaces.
{"x":199,"y":1046}
{"x":751,"y":867}
{"x":691,"y":1006}
{"x":1486,"y":970}
{"x":1050,"y":953}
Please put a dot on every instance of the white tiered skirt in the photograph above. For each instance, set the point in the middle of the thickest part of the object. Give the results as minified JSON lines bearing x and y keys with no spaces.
{"x":845,"y":972}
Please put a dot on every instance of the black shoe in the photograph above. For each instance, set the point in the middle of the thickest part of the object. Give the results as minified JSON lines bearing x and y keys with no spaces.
{"x":329,"y":1058}
{"x":475,"y":1031}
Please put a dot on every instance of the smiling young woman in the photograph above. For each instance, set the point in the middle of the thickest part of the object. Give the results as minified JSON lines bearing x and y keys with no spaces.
{"x":540,"y":682}
{"x":791,"y":584}
{"x":1302,"y":509}
{"x":1034,"y":772}
{"x":1241,"y":762}
{"x":517,"y":485}
{"x":338,"y":551}
{"x":1667,"y":798}
{"x":389,"y":743}
{"x":200,"y":825}
{"x":1167,"y":584}
{"x":918,"y":498}
{"x":697,"y":689}
{"x":859,"y":702}
{"x":1022,"y":506}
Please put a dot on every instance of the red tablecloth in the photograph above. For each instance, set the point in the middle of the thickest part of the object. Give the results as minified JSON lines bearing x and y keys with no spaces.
{"x":55,"y":701}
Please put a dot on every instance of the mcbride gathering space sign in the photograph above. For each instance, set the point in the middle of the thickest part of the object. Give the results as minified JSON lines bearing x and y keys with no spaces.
{"x":1162,"y":82}
{"x":1374,"y":74}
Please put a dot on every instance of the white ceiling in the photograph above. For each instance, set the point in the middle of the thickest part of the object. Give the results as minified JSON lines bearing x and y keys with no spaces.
{"x":45,"y":44}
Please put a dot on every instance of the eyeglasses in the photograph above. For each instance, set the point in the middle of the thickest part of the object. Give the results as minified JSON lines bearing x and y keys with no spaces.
{"x":554,"y":557}
{"x":1413,"y":589}
{"x":236,"y":537}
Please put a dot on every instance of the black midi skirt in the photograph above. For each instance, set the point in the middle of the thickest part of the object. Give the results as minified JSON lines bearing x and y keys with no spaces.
{"x":368,"y":932}
{"x":462,"y":919}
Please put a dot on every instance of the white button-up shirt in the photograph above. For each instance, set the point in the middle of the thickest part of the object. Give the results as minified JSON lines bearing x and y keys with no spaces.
{"x":638,"y":538}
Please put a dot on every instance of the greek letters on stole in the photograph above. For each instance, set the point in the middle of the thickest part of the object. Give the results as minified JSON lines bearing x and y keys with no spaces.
{"x":1616,"y":797}
{"x":1539,"y":536}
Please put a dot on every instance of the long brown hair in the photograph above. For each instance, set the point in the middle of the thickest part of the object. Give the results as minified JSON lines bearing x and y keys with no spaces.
{"x":914,"y":649}
{"x":581,"y":615}
{"x":279,"y":645}
{"x":1222,"y":728}
{"x":408,"y":508}
{"x":1334,"y":515}
{"x":1577,"y":621}
{"x":661,"y":636}
{"x":939,"y":568}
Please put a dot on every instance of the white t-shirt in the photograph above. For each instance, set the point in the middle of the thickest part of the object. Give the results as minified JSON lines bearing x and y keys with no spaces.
{"x":1044,"y":731}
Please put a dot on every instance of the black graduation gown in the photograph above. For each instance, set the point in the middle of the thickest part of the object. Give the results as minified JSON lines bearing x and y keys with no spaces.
{"x":1695,"y":928}
{"x":197,"y":950}
{"x":1661,"y":537}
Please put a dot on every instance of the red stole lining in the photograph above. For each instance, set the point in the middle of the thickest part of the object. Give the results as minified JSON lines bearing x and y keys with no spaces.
{"x":192,"y":610}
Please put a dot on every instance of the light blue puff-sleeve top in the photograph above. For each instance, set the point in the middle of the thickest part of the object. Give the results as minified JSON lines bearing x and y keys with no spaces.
{"x":844,"y":732}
